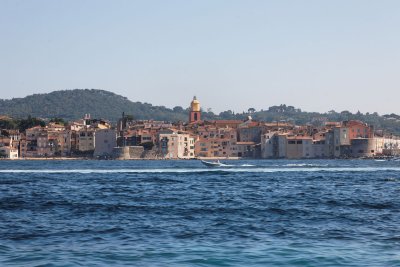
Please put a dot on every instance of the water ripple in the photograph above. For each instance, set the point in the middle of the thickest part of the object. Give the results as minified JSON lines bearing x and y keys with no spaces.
{"x":254,"y":213}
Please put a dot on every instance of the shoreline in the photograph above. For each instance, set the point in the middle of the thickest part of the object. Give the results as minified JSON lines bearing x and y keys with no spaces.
{"x":199,"y":158}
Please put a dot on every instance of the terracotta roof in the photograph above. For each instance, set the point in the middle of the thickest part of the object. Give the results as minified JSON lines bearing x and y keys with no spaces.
{"x":299,"y":137}
{"x":245,"y":143}
{"x":227,"y":121}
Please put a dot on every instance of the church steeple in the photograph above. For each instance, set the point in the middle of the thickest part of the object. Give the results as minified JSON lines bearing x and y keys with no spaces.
{"x":195,"y":112}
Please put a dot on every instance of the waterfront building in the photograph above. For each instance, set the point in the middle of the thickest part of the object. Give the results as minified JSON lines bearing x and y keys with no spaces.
{"x":105,"y":142}
{"x":245,"y":149}
{"x":29,"y":142}
{"x":86,"y":139}
{"x":250,"y":131}
{"x":216,"y":142}
{"x":298,"y":147}
{"x":7,"y":148}
{"x":348,"y":131}
{"x":175,"y":145}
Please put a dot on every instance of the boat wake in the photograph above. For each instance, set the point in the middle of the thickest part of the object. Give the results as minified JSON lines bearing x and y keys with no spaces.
{"x":200,"y":170}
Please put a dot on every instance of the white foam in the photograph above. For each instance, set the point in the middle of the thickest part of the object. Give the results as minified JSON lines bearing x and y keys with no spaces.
{"x":304,"y":165}
{"x":250,"y":170}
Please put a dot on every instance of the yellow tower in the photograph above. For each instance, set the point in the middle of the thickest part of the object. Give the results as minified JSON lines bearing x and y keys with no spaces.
{"x":195,"y":112}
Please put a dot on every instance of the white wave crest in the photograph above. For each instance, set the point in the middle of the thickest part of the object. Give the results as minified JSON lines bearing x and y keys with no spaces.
{"x":170,"y":170}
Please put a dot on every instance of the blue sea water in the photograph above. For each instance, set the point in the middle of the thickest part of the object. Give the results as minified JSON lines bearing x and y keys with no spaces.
{"x":179,"y":213}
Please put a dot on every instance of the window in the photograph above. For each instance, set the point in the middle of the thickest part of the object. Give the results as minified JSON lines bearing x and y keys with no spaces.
{"x":300,"y":142}
{"x":291,"y":142}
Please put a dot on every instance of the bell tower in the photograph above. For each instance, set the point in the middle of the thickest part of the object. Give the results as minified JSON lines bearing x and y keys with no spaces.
{"x":195,"y":113}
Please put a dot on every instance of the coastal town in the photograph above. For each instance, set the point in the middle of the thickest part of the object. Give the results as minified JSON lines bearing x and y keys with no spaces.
{"x":93,"y":138}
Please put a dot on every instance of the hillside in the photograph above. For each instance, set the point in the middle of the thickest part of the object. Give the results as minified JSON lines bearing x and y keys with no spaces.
{"x":389,"y":123}
{"x":73,"y":104}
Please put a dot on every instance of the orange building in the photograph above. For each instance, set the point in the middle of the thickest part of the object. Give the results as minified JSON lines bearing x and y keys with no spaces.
{"x":358,"y":129}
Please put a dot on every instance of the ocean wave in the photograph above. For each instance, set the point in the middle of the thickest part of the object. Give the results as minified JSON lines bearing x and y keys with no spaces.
{"x":305,"y":165}
{"x":202,"y":170}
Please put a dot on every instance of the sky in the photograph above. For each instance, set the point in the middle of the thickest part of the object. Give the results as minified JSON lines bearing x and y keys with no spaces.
{"x":233,"y":55}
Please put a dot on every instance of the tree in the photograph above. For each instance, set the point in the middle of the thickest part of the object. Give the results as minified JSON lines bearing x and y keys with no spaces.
{"x":5,"y":133}
{"x":251,"y":110}
{"x":178,"y":109}
{"x":129,"y":117}
{"x":58,"y":121}
{"x":29,"y":123}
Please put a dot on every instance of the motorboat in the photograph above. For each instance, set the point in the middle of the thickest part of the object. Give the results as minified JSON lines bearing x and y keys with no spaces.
{"x":212,"y":163}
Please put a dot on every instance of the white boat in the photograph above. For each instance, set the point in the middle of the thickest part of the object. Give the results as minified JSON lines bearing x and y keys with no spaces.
{"x":212,"y":163}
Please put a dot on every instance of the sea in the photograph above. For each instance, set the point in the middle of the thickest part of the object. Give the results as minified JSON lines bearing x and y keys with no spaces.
{"x":181,"y":213}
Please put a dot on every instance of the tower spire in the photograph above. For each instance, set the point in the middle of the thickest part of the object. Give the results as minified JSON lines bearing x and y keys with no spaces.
{"x":195,"y":111}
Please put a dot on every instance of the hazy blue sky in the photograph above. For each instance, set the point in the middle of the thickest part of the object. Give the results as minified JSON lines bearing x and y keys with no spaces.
{"x":316,"y":55}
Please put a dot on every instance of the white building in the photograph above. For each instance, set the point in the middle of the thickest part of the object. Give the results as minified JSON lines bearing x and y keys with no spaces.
{"x":176,"y":145}
{"x":8,"y":148}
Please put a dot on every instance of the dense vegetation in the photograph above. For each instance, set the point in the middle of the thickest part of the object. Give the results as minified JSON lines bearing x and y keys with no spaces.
{"x":20,"y":124}
{"x":389,"y":123}
{"x":73,"y":104}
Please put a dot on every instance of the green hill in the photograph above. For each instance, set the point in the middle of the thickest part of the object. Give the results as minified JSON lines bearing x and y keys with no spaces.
{"x":387,"y":124}
{"x":74,"y":104}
